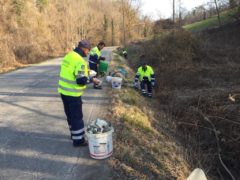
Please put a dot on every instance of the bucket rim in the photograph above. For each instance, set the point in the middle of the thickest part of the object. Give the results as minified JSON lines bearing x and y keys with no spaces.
{"x":100,"y":134}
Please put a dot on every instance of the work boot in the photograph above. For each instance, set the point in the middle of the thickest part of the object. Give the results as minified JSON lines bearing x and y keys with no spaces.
{"x":149,"y":95}
{"x":144,"y":93}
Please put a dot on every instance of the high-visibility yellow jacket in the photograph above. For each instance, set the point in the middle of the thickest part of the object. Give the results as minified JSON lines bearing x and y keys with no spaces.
{"x":96,"y":51}
{"x":73,"y":66}
{"x":148,"y":74}
{"x":94,"y":56}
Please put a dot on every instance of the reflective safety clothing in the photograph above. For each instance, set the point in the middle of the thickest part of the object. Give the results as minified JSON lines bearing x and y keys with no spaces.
{"x":147,"y":78}
{"x":143,"y":85}
{"x":73,"y":66}
{"x":73,"y":110}
{"x":95,"y":54}
{"x":94,"y":51}
{"x":147,"y":74}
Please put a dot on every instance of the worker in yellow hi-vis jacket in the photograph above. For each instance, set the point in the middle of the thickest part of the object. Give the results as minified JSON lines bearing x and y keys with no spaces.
{"x":94,"y":60}
{"x":145,"y":75}
{"x":74,"y":76}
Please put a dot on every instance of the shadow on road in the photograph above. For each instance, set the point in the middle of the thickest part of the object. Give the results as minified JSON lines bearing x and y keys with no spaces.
{"x":36,"y":111}
{"x":46,"y":153}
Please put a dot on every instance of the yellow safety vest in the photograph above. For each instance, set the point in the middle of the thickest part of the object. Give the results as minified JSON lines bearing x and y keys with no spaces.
{"x":147,"y":73}
{"x":96,"y":51}
{"x":73,"y":66}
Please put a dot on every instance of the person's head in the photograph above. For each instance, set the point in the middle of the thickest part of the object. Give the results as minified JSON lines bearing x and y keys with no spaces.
{"x":85,"y":46}
{"x":101,"y":45}
{"x":143,"y":62}
{"x":144,"y":66}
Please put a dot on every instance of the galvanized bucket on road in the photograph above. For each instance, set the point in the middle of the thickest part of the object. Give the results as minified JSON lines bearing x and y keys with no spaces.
{"x":100,"y":145}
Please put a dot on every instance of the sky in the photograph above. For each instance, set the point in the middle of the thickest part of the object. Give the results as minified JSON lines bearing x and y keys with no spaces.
{"x":163,"y":8}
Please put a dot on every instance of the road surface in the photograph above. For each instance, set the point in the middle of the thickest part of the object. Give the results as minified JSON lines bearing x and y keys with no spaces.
{"x":34,"y":136}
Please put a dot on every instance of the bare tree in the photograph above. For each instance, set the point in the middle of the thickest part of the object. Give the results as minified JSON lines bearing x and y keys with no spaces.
{"x":232,"y":3}
{"x":113,"y":33}
{"x":173,"y":10}
{"x":179,"y":13}
{"x":41,"y":28}
{"x":123,"y":20}
{"x":218,"y":13}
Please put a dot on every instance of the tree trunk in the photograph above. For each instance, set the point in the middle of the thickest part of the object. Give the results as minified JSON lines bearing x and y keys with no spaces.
{"x":218,"y":13}
{"x":173,"y":10}
{"x":232,"y":3}
{"x":124,"y":33}
{"x":113,"y":35}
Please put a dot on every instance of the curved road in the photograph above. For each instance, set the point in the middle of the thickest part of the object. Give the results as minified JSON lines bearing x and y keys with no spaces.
{"x":34,"y":136}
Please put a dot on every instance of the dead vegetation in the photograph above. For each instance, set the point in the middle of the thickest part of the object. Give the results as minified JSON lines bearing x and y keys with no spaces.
{"x":33,"y":31}
{"x":141,"y":149}
{"x":195,"y":75}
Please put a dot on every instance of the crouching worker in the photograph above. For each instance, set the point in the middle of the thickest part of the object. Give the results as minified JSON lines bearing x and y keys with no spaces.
{"x":94,"y":60}
{"x":73,"y":78}
{"x":146,"y":77}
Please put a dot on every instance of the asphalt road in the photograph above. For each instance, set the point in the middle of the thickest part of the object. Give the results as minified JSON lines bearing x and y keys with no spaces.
{"x":34,"y":136}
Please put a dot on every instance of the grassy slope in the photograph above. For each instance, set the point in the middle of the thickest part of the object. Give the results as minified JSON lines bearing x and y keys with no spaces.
{"x":197,"y":72}
{"x":226,"y":17}
{"x":143,"y":147}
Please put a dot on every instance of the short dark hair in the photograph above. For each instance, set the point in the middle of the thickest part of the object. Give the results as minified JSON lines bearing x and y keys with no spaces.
{"x":101,"y":43}
{"x":142,"y":60}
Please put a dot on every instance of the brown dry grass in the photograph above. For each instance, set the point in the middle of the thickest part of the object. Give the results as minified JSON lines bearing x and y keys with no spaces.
{"x":199,"y":72}
{"x":25,"y":38}
{"x":30,"y":34}
{"x":142,"y":150}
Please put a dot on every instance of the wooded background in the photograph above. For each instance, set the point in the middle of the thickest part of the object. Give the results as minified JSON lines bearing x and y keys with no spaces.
{"x":33,"y":30}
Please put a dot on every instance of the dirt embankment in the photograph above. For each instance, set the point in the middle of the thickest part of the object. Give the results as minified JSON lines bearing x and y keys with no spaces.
{"x":195,"y":75}
{"x":143,"y":148}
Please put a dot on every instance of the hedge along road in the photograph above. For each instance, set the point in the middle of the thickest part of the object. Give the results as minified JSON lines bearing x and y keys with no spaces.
{"x":34,"y":137}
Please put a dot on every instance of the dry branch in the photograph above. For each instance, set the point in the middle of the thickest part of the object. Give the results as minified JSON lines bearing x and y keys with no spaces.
{"x":217,"y":140}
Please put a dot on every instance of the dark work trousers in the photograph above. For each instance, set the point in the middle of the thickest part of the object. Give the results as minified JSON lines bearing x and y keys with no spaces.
{"x":73,"y":110}
{"x":147,"y":83}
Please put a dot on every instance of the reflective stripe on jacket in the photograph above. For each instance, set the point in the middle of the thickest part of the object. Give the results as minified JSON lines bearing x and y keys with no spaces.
{"x":73,"y":66}
{"x":142,"y":74}
{"x":96,"y":51}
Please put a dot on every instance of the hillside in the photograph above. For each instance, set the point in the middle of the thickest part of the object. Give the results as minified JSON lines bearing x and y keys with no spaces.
{"x":195,"y":75}
{"x":226,"y":17}
{"x":33,"y":31}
